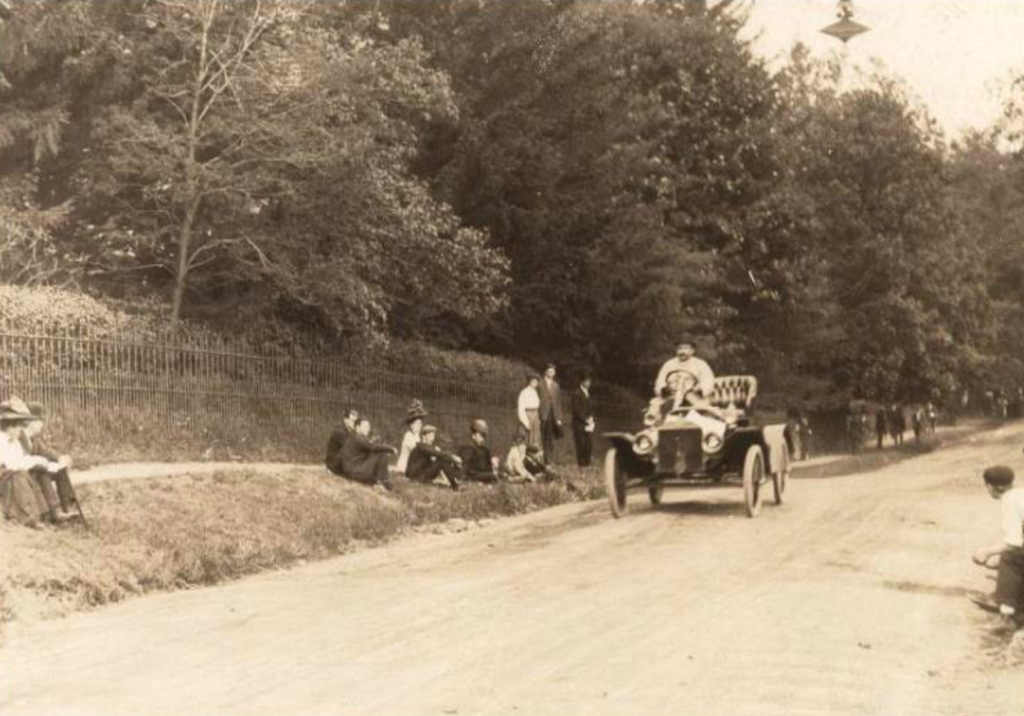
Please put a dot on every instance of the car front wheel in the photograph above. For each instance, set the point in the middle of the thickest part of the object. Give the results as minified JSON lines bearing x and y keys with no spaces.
{"x":753,"y":477}
{"x":615,"y":482}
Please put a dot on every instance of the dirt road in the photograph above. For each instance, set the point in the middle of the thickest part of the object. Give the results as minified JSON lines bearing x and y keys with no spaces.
{"x":850,"y":599}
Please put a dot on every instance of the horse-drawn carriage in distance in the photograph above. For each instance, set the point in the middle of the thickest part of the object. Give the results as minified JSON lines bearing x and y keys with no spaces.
{"x":689,"y":442}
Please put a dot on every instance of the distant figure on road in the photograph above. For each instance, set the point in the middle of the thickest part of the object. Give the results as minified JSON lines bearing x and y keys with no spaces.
{"x":855,"y":429}
{"x":1009,"y":592}
{"x":917,"y":421}
{"x":804,"y":428}
{"x":897,"y":423}
{"x":550,"y":413}
{"x":528,"y":410}
{"x":881,"y":425}
{"x":583,"y":422}
{"x":337,"y":441}
{"x":364,"y":460}
{"x":933,"y":416}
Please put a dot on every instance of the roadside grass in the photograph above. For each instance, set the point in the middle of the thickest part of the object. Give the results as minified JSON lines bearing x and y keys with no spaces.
{"x":163,"y":534}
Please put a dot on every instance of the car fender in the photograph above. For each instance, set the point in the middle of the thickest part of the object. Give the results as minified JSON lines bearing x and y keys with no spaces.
{"x":620,"y":440}
{"x":737,"y":444}
{"x":775,"y":439}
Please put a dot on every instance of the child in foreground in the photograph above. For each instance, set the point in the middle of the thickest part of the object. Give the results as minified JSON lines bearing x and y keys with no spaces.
{"x":999,"y":481}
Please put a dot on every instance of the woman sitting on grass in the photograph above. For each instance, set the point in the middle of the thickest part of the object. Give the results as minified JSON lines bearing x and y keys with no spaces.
{"x":413,"y":429}
{"x":20,"y":497}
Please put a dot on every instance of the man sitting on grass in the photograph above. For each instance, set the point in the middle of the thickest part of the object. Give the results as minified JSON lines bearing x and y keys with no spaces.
{"x":427,"y":461}
{"x":55,"y":485}
{"x":337,"y":442}
{"x":364,"y":460}
{"x":477,"y":462}
{"x":1010,"y":551}
{"x":525,"y":463}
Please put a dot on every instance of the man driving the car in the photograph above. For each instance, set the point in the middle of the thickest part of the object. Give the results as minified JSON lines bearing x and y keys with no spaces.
{"x":686,"y":383}
{"x":687,"y":364}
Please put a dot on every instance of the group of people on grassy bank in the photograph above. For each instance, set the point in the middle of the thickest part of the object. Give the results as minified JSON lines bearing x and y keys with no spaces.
{"x":35,"y":486}
{"x":354,"y":455}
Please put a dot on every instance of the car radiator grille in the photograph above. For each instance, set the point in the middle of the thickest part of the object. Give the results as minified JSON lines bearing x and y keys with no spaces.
{"x":679,"y":450}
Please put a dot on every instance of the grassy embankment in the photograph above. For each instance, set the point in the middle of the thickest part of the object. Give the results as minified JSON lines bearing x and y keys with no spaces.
{"x":172,"y":533}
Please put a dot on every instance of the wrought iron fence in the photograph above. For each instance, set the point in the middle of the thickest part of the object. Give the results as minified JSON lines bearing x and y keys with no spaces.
{"x":129,"y":396}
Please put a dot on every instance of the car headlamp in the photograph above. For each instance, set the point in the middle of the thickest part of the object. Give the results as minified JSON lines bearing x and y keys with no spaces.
{"x":644,"y":443}
{"x":712,"y":443}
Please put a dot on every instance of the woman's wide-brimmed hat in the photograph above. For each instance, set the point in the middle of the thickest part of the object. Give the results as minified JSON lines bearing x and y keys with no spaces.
{"x":15,"y":410}
{"x":416,"y":411}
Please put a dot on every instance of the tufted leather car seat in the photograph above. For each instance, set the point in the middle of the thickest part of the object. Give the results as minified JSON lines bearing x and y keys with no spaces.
{"x":738,"y":390}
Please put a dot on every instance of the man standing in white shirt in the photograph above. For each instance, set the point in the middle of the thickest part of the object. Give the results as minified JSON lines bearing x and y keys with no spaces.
{"x":687,"y":361}
{"x":1010,"y":551}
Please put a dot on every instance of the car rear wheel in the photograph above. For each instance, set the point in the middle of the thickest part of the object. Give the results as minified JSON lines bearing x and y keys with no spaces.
{"x":615,"y":482}
{"x":753,"y":477}
{"x":780,"y":478}
{"x":656,"y":491}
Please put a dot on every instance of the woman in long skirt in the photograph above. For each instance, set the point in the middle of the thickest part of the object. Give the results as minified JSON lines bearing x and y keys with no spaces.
{"x":528,"y":410}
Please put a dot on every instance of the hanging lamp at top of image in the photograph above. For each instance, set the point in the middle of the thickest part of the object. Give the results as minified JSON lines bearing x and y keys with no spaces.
{"x":847,"y":28}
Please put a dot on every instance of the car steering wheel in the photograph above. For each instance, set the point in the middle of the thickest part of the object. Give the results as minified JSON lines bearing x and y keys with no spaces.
{"x":681,"y":383}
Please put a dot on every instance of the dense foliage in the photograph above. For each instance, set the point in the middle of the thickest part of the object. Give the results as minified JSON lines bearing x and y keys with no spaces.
{"x":546,"y":179}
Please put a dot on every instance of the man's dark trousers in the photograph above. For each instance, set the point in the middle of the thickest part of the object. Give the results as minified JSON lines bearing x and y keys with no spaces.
{"x":584,"y":443}
{"x":1010,"y":578}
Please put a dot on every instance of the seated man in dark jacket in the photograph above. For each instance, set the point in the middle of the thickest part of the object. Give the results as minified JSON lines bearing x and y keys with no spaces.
{"x":54,"y":484}
{"x":427,"y":461}
{"x":366,"y":461}
{"x":337,"y":442}
{"x":477,"y":462}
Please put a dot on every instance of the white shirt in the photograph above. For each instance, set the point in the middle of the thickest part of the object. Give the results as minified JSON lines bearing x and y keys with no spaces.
{"x":693,"y":365}
{"x":409,"y":442}
{"x":1011,"y":506}
{"x":14,"y":457}
{"x":529,"y":399}
{"x":514,"y":461}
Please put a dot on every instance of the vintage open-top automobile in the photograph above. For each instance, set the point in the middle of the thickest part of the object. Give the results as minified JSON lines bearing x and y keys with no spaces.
{"x":696,"y":442}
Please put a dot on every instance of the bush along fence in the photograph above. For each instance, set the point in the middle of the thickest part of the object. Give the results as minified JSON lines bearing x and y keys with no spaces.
{"x":115,"y":396}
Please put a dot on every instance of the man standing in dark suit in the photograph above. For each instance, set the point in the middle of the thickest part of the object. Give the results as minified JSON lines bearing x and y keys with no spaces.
{"x":583,"y":422}
{"x":550,"y":413}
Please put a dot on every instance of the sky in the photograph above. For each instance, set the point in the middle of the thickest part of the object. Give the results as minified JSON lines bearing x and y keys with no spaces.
{"x":957,"y":56}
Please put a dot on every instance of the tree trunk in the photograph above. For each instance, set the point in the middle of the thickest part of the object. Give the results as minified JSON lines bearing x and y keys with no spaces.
{"x":181,"y":277}
{"x":191,"y":169}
